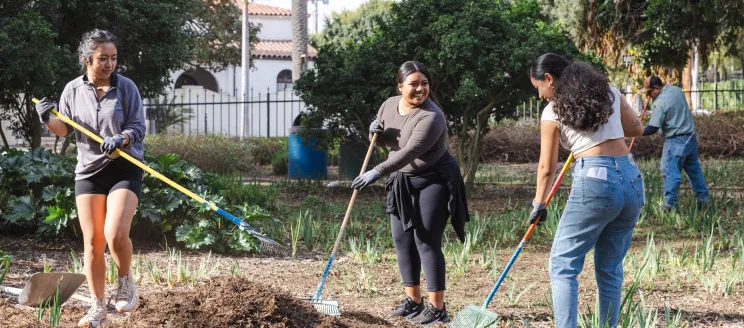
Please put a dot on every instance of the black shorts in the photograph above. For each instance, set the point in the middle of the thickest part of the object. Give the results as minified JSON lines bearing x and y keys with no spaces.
{"x":118,"y":174}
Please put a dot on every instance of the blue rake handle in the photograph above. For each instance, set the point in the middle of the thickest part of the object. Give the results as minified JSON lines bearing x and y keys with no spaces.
{"x":340,"y":237}
{"x":528,"y":234}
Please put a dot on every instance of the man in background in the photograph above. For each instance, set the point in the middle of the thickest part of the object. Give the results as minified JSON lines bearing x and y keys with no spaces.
{"x":671,"y":115}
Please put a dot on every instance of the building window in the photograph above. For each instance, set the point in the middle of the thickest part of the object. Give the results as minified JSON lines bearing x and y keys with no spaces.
{"x":284,"y":80}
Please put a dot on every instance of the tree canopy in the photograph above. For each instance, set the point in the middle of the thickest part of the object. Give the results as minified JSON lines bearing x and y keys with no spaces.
{"x":660,"y":32}
{"x":478,"y":52}
{"x":39,"y":40}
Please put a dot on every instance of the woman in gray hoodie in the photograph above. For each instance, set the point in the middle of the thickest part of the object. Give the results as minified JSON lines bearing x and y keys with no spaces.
{"x":107,"y":187}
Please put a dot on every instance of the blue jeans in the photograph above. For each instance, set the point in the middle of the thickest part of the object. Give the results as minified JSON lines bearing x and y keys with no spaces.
{"x":681,"y":153}
{"x":601,"y":212}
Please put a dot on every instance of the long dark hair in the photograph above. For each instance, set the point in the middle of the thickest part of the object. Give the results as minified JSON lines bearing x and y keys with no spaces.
{"x":582,"y":95}
{"x":91,"y":41}
{"x":549,"y":63}
{"x":410,"y":67}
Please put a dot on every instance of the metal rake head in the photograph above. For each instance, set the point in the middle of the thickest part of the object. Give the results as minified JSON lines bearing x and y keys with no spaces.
{"x":327,"y":307}
{"x":266,"y":244}
{"x":474,"y":317}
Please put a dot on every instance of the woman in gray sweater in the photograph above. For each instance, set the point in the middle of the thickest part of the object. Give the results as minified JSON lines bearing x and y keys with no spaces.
{"x":425,"y":187}
{"x":107,"y":188}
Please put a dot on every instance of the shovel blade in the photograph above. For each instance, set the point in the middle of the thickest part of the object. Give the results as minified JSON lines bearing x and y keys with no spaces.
{"x":474,"y":317}
{"x":327,"y":307}
{"x":42,"y":287}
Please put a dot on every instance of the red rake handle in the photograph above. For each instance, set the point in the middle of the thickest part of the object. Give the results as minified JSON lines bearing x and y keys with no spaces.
{"x":528,"y":234}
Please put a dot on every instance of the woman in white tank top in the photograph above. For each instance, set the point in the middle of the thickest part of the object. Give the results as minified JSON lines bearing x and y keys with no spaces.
{"x":590,"y":118}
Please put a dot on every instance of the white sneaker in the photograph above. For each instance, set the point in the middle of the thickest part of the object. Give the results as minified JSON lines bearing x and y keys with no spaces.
{"x":126,"y":290}
{"x":95,"y":317}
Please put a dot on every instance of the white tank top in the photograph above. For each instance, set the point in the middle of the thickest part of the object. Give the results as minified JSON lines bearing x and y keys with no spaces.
{"x":580,"y":141}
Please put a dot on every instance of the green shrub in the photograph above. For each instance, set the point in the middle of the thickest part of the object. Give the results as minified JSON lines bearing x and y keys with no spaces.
{"x":280,"y":162}
{"x":39,"y":189}
{"x":263,"y":149}
{"x":213,"y":153}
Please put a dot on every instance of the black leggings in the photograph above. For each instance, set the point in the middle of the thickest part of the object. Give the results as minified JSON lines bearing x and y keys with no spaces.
{"x":423,"y":245}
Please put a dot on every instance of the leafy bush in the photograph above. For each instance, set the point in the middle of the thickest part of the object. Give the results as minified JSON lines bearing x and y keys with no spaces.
{"x":37,"y":190}
{"x":280,"y":162}
{"x":213,"y":153}
{"x":39,"y":193}
{"x":262,"y":149}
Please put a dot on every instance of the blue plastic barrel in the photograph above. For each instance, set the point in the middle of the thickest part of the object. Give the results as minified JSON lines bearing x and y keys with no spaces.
{"x":305,"y":161}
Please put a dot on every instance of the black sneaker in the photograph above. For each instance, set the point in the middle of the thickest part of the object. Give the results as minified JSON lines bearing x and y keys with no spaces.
{"x":408,"y":308}
{"x":430,"y":315}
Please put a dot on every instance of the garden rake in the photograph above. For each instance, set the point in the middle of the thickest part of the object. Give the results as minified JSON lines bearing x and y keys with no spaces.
{"x":479,"y":317}
{"x":330,"y":307}
{"x":267,"y":245}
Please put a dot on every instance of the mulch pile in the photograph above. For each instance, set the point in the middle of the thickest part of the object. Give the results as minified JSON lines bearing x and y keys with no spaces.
{"x":236,"y":302}
{"x":225,"y":301}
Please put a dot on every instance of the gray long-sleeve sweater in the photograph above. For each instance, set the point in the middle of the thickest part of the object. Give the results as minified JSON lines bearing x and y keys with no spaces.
{"x":418,"y":139}
{"x":118,"y":111}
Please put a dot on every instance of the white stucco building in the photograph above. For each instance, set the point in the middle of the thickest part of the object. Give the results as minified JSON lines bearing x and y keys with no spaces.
{"x":271,"y":77}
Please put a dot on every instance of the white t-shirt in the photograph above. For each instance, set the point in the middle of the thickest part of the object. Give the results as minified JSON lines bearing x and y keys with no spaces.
{"x":579,"y":141}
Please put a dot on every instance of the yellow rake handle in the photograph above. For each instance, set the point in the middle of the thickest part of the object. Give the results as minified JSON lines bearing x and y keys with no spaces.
{"x":134,"y":161}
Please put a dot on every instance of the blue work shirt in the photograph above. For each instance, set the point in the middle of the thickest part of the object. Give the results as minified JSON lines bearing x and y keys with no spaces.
{"x":671,"y":114}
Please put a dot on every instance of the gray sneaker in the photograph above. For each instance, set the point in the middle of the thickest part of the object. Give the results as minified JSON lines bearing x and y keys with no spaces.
{"x":126,"y":291}
{"x":95,"y":317}
{"x":408,"y":308}
{"x":431,"y":315}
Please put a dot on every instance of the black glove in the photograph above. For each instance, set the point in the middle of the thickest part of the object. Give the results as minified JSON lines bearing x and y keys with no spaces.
{"x":539,"y":212}
{"x":44,"y":108}
{"x":110,"y":144}
{"x":376,"y":127}
{"x":365,"y":179}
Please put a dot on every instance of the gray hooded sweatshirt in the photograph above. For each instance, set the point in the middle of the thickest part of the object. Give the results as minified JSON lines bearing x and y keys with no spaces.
{"x":118,"y":111}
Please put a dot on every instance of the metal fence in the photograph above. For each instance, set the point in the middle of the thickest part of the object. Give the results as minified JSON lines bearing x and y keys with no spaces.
{"x":709,"y":99}
{"x":197,"y":111}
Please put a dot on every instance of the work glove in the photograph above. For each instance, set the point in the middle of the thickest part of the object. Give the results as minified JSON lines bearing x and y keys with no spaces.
{"x":44,"y":108}
{"x":110,"y":144}
{"x":376,"y":127}
{"x":539,"y":212}
{"x":365,"y":179}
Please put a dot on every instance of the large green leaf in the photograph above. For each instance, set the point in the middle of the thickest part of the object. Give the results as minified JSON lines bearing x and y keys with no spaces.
{"x":21,"y":209}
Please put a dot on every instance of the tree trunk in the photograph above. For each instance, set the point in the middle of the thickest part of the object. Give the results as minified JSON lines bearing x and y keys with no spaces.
{"x":2,"y":134}
{"x":687,"y":79}
{"x":471,"y":145}
{"x":299,"y":37}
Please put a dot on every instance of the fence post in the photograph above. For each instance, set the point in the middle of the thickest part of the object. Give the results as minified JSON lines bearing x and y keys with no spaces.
{"x":268,"y":114}
{"x":715,"y":87}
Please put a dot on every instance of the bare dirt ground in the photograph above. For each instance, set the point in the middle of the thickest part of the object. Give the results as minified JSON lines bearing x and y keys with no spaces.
{"x":268,"y":292}
{"x":254,"y":291}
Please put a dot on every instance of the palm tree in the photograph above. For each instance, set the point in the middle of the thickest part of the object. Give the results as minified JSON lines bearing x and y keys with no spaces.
{"x":299,"y":37}
{"x":166,"y":113}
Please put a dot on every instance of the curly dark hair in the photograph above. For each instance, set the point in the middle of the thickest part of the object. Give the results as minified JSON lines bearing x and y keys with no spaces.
{"x":583,"y":98}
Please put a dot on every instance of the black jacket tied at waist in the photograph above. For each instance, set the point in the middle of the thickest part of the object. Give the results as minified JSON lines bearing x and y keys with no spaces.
{"x":404,"y":203}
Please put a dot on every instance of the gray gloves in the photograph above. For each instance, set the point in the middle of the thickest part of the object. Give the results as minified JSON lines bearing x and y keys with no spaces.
{"x":376,"y":127}
{"x":110,"y":144}
{"x":365,"y":179}
{"x":539,"y":212}
{"x":44,"y":108}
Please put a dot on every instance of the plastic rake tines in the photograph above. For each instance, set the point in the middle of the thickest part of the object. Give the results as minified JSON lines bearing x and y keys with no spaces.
{"x":474,"y":317}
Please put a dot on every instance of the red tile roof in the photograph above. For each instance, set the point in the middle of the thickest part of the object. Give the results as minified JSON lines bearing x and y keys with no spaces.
{"x":278,"y":49}
{"x":259,"y":9}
